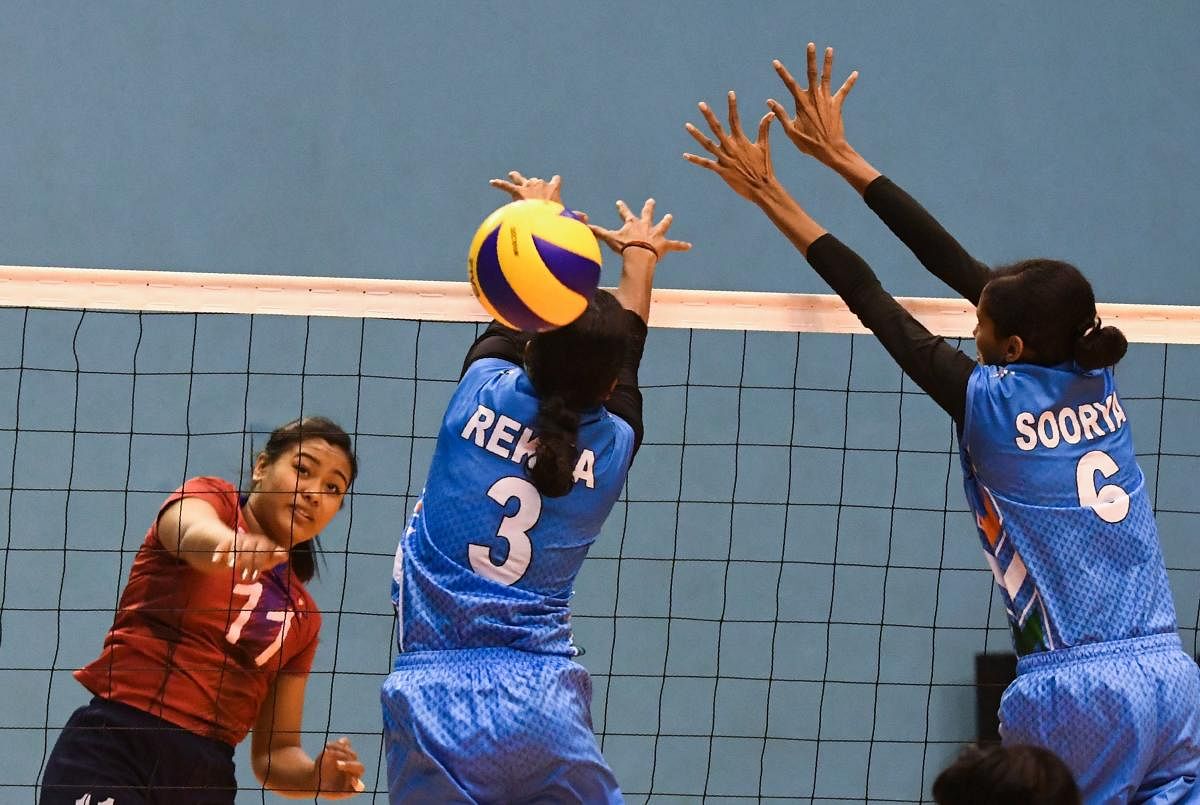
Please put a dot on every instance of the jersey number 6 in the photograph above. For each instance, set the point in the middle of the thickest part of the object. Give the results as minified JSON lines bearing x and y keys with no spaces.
{"x":514,"y":529}
{"x":1110,"y":502}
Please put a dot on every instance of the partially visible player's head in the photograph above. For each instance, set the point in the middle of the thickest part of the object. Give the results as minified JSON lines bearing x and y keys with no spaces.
{"x":300,"y":478}
{"x":1003,"y":775}
{"x":573,"y":369}
{"x":1044,"y":312}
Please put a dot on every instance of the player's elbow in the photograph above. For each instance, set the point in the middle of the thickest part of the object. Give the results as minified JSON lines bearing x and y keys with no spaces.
{"x":260,"y":762}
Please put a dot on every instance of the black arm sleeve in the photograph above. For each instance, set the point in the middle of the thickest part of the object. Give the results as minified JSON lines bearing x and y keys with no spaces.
{"x":938,"y":368}
{"x":626,"y":399}
{"x":936,"y":248}
{"x":498,"y":341}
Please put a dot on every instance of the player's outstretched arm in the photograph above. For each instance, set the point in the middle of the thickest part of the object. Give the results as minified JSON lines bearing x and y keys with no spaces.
{"x":935,"y":366}
{"x":192,"y":530}
{"x":817,"y":128}
{"x":641,"y":243}
{"x":280,"y":762}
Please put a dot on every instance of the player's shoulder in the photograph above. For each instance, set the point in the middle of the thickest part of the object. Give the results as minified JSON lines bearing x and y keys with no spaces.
{"x":485,"y":369}
{"x":219,"y":493}
{"x":621,"y":429}
{"x":208,"y":483}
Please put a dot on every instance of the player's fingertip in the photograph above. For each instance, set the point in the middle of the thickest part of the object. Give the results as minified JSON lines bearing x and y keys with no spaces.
{"x":358,"y":785}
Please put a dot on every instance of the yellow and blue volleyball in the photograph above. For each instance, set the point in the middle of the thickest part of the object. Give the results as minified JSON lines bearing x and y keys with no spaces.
{"x":533,"y":265}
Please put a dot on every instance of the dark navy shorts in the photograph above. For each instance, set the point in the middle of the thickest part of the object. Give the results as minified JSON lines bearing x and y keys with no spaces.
{"x":113,"y":754}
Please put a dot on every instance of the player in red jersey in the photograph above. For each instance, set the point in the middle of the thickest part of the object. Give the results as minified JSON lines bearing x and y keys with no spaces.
{"x":213,"y":638}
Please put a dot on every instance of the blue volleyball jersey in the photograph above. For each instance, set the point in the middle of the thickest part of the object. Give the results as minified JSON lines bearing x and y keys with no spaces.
{"x":486,"y":561}
{"x":1061,"y":506}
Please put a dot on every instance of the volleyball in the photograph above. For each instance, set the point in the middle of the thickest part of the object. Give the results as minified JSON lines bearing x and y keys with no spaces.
{"x":533,"y":265}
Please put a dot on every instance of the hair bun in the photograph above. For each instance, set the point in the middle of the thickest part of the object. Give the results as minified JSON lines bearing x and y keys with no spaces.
{"x":1100,"y":346}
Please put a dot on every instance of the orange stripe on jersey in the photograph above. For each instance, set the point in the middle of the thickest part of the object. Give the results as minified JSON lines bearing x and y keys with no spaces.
{"x":989,"y":521}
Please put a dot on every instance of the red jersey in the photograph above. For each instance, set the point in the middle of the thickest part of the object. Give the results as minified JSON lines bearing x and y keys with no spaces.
{"x":201,"y":650}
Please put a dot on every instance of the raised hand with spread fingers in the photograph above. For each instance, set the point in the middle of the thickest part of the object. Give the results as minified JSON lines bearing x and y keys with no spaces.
{"x":521,"y":188}
{"x":641,"y":243}
{"x":817,"y":128}
{"x":746,"y":167}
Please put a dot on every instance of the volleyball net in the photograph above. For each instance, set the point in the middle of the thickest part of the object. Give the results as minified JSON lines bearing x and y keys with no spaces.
{"x":788,"y":603}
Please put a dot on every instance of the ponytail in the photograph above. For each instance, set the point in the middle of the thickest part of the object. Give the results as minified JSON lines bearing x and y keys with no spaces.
{"x":573,"y":369}
{"x":1100,"y":346}
{"x":552,"y":466}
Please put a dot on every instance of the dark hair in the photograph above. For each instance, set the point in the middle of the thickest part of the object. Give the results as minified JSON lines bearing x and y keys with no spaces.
{"x":1002,"y":775}
{"x":303,"y":557}
{"x":572,"y":369}
{"x":1052,"y":307}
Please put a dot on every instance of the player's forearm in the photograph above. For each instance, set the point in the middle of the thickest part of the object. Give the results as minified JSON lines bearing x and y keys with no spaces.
{"x":851,"y":166}
{"x":927,"y":239}
{"x":637,"y":280}
{"x":938,"y":368}
{"x":199,"y":540}
{"x":789,"y":217}
{"x":288,"y":771}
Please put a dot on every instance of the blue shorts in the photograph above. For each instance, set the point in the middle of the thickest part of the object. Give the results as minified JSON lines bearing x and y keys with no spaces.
{"x":492,"y":725}
{"x":109,"y":752}
{"x":1123,"y":715}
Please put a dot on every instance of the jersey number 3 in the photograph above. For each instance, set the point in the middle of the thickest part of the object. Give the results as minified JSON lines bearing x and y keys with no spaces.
{"x":1110,"y":502}
{"x":514,"y":529}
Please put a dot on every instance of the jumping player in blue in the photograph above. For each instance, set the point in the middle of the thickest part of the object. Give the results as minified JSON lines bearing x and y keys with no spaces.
{"x":486,"y":703}
{"x":1048,"y":466}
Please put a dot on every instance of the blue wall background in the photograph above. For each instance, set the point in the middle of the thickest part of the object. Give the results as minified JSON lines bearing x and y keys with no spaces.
{"x":761,"y":588}
{"x":355,"y":139}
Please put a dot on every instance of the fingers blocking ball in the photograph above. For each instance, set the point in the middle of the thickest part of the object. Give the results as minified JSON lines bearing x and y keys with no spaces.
{"x":534,"y":265}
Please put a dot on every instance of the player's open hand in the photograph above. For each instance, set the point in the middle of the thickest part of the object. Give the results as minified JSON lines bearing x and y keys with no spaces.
{"x":339,"y":772}
{"x":817,"y":128}
{"x":521,"y":188}
{"x":745,"y":166}
{"x":641,"y":232}
{"x":248,"y":555}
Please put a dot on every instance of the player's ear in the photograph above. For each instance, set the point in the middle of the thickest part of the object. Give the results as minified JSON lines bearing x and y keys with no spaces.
{"x":611,"y":389}
{"x":1014,"y":349}
{"x":259,"y":469}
